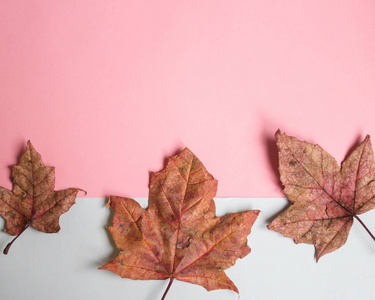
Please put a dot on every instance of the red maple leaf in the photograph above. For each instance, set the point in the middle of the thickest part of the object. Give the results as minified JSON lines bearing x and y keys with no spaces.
{"x":325,"y":196}
{"x":178,"y":236}
{"x":33,"y":200}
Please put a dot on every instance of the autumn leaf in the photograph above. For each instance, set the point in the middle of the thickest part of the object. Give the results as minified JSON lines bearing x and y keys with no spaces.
{"x":326,"y":197}
{"x":33,"y":200}
{"x":178,"y":236}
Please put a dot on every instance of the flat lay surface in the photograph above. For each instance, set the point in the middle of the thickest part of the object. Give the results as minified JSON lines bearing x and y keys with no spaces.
{"x":64,"y":266}
{"x":107,"y":89}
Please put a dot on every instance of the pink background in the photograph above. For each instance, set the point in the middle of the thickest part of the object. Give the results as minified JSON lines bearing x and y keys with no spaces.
{"x":106,"y":90}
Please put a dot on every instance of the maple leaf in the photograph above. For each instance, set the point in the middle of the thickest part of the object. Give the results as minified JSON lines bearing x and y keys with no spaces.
{"x":325,"y":196}
{"x":33,"y":200}
{"x":178,"y":236}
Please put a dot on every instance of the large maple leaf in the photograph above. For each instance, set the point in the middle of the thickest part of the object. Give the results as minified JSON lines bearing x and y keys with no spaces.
{"x":178,"y":236}
{"x":325,"y":196}
{"x":33,"y":202}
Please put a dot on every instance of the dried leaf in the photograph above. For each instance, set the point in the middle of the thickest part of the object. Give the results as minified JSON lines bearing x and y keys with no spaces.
{"x":33,"y":200}
{"x":178,"y":236}
{"x":325,"y":196}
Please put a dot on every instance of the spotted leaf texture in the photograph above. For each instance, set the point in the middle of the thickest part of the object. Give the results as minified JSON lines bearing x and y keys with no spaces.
{"x":325,"y":196}
{"x":178,"y":236}
{"x":33,"y":202}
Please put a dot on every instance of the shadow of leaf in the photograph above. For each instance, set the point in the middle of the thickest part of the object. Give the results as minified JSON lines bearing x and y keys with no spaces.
{"x":273,"y":159}
{"x":355,"y":144}
{"x":115,"y":251}
{"x":274,"y":215}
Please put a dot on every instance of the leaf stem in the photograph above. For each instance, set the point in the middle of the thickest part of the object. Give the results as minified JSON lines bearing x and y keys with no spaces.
{"x":168,"y":287}
{"x":364,"y":226}
{"x":6,"y":249}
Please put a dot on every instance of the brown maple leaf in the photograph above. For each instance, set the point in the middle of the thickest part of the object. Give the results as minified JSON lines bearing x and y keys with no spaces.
{"x":178,"y":236}
{"x":33,"y":200}
{"x":325,"y":196}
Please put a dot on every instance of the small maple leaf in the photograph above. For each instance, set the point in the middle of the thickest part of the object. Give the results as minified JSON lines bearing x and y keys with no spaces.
{"x":325,"y":196}
{"x":33,"y":200}
{"x":178,"y":236}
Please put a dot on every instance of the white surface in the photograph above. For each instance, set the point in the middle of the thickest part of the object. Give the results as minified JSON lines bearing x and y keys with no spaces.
{"x":64,"y":266}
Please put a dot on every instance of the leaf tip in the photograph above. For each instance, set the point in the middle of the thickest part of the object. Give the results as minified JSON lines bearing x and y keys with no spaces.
{"x":368,"y":138}
{"x":186,"y":152}
{"x":279,"y":134}
{"x":29,"y":144}
{"x":80,"y":190}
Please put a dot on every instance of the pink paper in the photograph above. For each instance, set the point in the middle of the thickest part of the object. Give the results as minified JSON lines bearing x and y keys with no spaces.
{"x":106,"y":90}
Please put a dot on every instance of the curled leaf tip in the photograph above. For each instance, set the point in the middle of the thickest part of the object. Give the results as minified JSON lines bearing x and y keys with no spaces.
{"x":83,"y":191}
